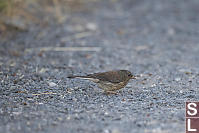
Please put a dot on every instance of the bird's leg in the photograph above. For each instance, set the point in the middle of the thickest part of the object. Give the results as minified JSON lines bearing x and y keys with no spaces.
{"x":110,"y":92}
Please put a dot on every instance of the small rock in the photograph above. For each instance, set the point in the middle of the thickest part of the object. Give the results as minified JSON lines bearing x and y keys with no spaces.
{"x":91,"y":26}
{"x":106,"y":113}
{"x":153,"y":85}
{"x":68,"y":117}
{"x":17,"y":113}
{"x":115,"y":131}
{"x":43,"y":70}
{"x":52,"y":84}
{"x":171,"y":31}
{"x":140,"y":48}
{"x":107,"y":131}
{"x":177,"y":79}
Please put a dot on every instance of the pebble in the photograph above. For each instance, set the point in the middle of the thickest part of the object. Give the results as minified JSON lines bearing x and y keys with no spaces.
{"x":177,"y":79}
{"x":52,"y":84}
{"x":91,"y":26}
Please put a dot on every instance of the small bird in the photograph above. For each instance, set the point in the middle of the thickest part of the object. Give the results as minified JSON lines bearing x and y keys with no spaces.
{"x":109,"y":81}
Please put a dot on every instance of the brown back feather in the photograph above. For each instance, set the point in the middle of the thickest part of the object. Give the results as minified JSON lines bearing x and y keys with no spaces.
{"x":111,"y":76}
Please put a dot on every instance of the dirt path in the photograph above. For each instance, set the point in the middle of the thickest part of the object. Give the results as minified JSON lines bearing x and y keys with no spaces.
{"x":155,"y":39}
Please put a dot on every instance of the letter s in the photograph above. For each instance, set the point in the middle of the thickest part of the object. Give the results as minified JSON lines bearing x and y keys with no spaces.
{"x":192,"y":108}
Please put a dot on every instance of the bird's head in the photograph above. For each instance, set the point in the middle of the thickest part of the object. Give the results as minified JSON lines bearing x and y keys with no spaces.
{"x":128,"y":74}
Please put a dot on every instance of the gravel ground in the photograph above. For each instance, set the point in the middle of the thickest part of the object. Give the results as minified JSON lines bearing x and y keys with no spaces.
{"x":156,"y":39}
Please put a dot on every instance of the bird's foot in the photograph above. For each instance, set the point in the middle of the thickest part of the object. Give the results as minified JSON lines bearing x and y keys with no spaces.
{"x":110,"y":92}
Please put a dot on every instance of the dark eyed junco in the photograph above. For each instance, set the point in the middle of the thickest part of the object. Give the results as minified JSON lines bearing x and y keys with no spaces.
{"x":109,"y":81}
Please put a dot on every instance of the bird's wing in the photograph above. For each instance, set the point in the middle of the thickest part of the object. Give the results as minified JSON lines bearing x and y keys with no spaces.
{"x":111,"y":76}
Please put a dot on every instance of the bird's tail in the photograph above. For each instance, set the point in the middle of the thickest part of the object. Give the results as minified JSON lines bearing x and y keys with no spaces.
{"x":76,"y":76}
{"x":85,"y":77}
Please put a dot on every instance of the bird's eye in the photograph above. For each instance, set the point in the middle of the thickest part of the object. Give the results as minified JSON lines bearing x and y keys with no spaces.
{"x":129,"y":75}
